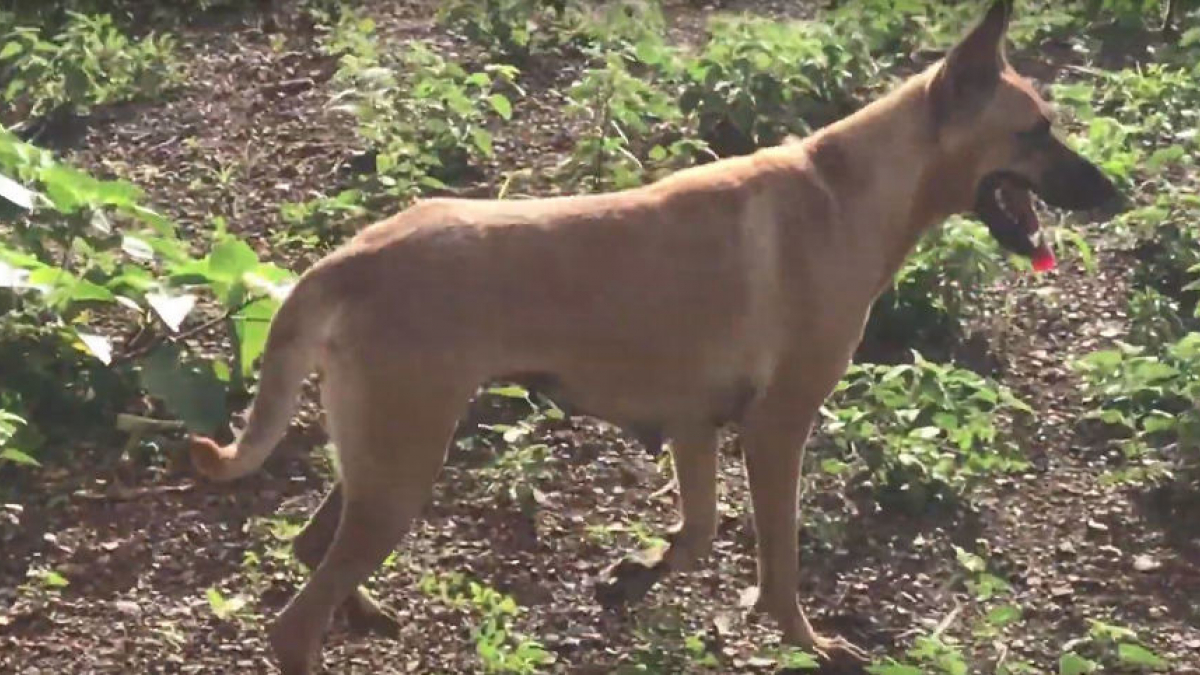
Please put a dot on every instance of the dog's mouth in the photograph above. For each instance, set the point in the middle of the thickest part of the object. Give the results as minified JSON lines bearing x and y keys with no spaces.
{"x":1004,"y":202}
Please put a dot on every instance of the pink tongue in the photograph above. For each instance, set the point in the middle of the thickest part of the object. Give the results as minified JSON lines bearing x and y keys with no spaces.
{"x":1043,"y":259}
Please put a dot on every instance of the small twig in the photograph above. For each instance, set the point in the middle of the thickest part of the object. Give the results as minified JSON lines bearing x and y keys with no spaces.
{"x":121,"y":493}
{"x":289,"y":86}
{"x":949,"y":619}
{"x":131,"y":423}
{"x":1003,"y":655}
{"x":162,"y":144}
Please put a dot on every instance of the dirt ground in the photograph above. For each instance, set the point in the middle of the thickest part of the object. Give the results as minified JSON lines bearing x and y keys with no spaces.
{"x":140,"y":543}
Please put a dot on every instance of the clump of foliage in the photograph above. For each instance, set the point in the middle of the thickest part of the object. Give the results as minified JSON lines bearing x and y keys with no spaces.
{"x":1139,"y":121}
{"x":89,"y":62}
{"x":322,"y":221}
{"x":929,"y":298}
{"x":922,"y":431}
{"x":1151,"y":401}
{"x":1140,"y":125}
{"x":518,"y":469}
{"x":757,"y":80}
{"x":1107,"y":646}
{"x":501,"y":649}
{"x":516,"y":30}
{"x":96,"y":289}
{"x":511,"y":29}
{"x":1165,"y":235}
{"x":635,"y":130}
{"x":424,"y":119}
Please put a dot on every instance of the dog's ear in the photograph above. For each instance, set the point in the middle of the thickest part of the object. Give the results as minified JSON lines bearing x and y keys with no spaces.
{"x":972,"y":68}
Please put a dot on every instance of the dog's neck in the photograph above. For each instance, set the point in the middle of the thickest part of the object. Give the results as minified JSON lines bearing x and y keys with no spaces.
{"x":883,"y":162}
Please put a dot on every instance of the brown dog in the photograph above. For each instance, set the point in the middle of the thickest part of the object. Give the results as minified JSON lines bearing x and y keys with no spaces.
{"x":733,"y":292}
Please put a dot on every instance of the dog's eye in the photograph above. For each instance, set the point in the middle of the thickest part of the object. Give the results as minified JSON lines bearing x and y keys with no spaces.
{"x":1040,"y":132}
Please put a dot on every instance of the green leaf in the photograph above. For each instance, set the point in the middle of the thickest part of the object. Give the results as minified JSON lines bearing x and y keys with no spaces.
{"x":1003,"y":615}
{"x":483,"y":141}
{"x":16,"y":193}
{"x":1074,"y":664}
{"x":501,"y":105}
{"x":97,"y":345}
{"x":894,"y":668}
{"x":230,"y":259}
{"x":189,"y":388}
{"x":251,"y":325}
{"x":970,"y":561}
{"x":10,"y":50}
{"x":221,"y":607}
{"x":270,"y":280}
{"x":172,"y":309}
{"x":137,"y":248}
{"x":68,"y":189}
{"x":18,"y":457}
{"x":82,"y":290}
{"x":510,"y":391}
{"x":13,"y":277}
{"x":798,"y":659}
{"x":52,"y":579}
{"x":1138,"y":655}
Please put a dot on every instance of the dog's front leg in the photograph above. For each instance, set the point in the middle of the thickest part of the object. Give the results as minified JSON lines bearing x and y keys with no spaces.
{"x":773,"y":441}
{"x":694,"y":455}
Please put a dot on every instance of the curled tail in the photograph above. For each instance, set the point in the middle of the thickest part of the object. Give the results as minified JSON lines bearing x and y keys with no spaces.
{"x":290,"y":355}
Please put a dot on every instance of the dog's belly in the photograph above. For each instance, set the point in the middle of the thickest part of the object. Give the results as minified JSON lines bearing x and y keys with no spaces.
{"x":647,"y":402}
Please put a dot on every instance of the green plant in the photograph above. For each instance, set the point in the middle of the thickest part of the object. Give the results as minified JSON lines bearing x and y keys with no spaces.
{"x":1165,"y":241}
{"x":91,"y":62}
{"x":922,"y":430}
{"x":322,"y":221}
{"x":423,"y":119}
{"x":634,"y":132}
{"x":1108,"y":645}
{"x":235,"y":608}
{"x":508,"y":28}
{"x":500,"y":648}
{"x":946,"y":273}
{"x":516,"y":470}
{"x":758,"y":79}
{"x":1151,"y":401}
{"x":1154,"y":318}
{"x":1140,"y":120}
{"x":10,"y":424}
{"x":81,"y":258}
{"x":516,"y":30}
{"x":667,"y":644}
{"x":1126,"y":13}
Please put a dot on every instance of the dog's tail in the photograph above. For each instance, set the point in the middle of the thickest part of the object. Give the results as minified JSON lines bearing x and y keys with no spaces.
{"x":290,"y":355}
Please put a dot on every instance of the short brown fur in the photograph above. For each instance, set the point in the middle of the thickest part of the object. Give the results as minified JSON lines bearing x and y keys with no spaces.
{"x":735,"y":291}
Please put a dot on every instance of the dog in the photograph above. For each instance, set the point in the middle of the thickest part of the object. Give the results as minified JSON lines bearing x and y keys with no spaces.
{"x":733,"y":292}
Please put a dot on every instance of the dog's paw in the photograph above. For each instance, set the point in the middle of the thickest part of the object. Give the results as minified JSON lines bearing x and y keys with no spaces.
{"x":627,"y":582}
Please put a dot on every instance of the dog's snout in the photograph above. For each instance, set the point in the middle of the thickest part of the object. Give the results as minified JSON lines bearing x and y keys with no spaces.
{"x":1077,"y":185}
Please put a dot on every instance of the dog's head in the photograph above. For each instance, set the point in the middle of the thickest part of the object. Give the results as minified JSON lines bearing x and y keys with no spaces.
{"x":999,"y":136}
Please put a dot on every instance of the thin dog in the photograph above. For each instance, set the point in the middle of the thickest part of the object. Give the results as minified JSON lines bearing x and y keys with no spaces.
{"x":729,"y":293}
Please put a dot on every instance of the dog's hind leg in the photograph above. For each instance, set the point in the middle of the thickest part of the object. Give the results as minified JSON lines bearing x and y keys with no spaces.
{"x":391,"y":446}
{"x":362,"y":613}
{"x":694,"y":455}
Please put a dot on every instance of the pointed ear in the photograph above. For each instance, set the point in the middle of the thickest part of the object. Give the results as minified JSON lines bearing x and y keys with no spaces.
{"x":972,"y":67}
